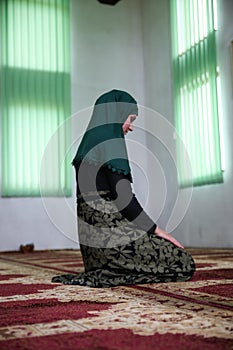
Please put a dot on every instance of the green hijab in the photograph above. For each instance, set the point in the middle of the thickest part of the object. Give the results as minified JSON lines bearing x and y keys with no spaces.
{"x":103,"y":142}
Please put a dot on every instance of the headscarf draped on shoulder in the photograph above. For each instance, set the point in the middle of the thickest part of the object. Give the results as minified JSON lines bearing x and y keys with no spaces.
{"x":103,"y":142}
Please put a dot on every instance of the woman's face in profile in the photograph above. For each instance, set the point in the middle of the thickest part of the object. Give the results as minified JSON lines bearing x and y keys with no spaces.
{"x":128,"y":124}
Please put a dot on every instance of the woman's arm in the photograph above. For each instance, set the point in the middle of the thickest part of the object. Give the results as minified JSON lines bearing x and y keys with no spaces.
{"x":131,"y":209}
{"x":127,"y":202}
{"x":165,"y":235}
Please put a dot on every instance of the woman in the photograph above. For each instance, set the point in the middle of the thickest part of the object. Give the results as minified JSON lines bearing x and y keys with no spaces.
{"x":119,"y":242}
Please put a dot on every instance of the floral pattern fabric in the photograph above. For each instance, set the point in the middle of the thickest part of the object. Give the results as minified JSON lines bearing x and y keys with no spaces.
{"x":116,"y":252}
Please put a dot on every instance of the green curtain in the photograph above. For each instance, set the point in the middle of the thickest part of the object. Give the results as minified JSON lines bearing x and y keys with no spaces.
{"x":193,"y":28}
{"x":35,"y":95}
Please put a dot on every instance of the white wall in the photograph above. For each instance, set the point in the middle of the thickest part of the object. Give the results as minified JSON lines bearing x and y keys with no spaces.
{"x":106,"y":54}
{"x":158,"y":98}
{"x":214,"y":205}
{"x":208,"y":221}
{"x":127,"y":46}
{"x":107,"y":49}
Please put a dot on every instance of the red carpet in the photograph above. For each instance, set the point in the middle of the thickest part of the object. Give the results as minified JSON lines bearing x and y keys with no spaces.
{"x":38,"y":315}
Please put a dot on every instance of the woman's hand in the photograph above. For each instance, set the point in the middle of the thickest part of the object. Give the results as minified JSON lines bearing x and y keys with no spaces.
{"x":165,"y":235}
{"x":127,"y":126}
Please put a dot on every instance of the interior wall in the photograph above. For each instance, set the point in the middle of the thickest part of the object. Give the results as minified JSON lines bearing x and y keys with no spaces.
{"x":127,"y":46}
{"x":159,"y":108}
{"x":106,"y":54}
{"x":107,"y":51}
{"x":208,"y":220}
{"x":216,"y":203}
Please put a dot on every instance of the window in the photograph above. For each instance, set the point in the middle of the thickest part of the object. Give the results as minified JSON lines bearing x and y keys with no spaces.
{"x":35,"y":94}
{"x":193,"y":27}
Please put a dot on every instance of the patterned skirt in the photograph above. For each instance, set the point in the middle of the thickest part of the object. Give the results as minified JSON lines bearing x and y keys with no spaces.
{"x":116,"y":252}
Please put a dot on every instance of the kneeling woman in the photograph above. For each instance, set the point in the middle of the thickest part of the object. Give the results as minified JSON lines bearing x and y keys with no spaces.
{"x":119,"y":242}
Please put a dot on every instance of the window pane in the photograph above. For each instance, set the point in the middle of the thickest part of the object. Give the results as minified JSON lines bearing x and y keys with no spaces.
{"x":35,"y":87}
{"x":195,"y":89}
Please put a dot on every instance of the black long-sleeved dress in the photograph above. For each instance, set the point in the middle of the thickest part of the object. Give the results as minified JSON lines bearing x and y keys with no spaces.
{"x":117,"y":238}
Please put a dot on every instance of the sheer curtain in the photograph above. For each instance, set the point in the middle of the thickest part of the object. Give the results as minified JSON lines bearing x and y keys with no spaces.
{"x":35,"y":95}
{"x":193,"y":27}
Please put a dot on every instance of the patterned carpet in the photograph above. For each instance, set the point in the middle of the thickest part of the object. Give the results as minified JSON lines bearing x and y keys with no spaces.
{"x":35,"y":314}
